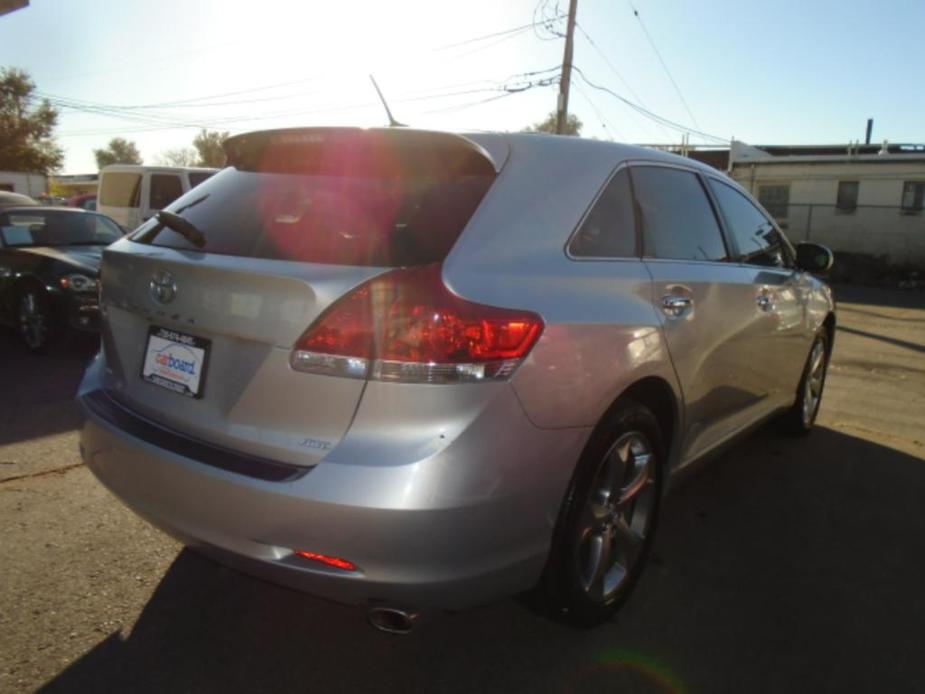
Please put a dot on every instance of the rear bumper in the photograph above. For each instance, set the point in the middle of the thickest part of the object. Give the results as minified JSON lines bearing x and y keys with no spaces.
{"x":452,"y":530}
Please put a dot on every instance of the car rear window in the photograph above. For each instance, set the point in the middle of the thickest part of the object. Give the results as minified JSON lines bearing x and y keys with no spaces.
{"x":120,"y":189}
{"x":379,"y":220}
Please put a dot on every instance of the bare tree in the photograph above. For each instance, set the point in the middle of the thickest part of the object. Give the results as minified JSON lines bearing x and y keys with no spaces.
{"x":179,"y":156}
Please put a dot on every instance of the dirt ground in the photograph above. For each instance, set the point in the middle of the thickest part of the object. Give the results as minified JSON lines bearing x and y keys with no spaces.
{"x":785,"y":565}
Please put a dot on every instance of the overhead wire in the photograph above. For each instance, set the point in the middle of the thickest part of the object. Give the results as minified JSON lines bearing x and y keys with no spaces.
{"x":605,"y":122}
{"x":616,"y":72}
{"x":662,"y":61}
{"x":680,"y":127}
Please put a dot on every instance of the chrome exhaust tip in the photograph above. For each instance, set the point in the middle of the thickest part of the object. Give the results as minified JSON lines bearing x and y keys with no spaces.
{"x":392,"y":620}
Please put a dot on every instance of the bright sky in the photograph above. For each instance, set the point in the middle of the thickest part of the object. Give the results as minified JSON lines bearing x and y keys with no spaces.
{"x":783,"y":72}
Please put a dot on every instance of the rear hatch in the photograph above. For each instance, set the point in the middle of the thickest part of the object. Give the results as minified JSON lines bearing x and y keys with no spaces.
{"x":198,"y":336}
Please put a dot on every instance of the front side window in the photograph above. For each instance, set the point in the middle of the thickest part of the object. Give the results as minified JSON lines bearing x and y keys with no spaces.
{"x":775,"y":199}
{"x":847,"y":198}
{"x":913,"y":197}
{"x":165,"y":188}
{"x":758,"y":240}
{"x":609,"y":230}
{"x":120,"y":189}
{"x":676,"y":217}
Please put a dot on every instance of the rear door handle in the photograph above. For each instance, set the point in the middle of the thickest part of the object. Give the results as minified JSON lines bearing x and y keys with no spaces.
{"x":675,"y":305}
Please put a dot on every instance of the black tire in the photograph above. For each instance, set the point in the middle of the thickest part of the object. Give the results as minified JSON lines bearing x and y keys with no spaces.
{"x":799,"y":419}
{"x":36,"y":325}
{"x":577,"y":589}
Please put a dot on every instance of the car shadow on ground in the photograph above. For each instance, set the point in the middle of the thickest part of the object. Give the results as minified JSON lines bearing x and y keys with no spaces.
{"x":38,"y":390}
{"x":879,"y":296}
{"x":778,"y":567}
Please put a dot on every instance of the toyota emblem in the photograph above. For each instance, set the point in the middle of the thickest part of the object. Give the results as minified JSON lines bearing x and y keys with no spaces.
{"x":163,"y":287}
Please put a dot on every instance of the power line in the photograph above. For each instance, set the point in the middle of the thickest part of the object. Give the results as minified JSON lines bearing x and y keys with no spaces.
{"x":484,"y":37}
{"x":615,"y":71}
{"x":650,"y":114}
{"x":548,"y":22}
{"x":607,"y":125}
{"x":662,"y":61}
{"x":150,"y":121}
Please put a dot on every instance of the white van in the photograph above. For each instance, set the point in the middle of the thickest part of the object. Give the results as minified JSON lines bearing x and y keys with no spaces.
{"x":131,"y":194}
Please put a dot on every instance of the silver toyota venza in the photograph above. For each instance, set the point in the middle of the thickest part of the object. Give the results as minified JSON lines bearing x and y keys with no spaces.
{"x":414,"y":370}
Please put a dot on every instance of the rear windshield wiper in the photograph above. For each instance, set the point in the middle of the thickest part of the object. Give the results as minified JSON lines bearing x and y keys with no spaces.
{"x":183,"y":227}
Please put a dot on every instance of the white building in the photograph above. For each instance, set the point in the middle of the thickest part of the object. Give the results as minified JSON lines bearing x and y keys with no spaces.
{"x":31,"y":184}
{"x":865,"y":199}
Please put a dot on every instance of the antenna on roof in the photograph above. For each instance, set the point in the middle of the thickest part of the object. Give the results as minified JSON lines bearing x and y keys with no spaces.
{"x":392,"y":122}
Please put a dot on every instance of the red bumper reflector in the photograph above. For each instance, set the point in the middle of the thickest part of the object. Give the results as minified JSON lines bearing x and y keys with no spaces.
{"x":336,"y":562}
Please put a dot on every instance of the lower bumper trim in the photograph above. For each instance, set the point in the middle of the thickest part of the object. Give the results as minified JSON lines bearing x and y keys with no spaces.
{"x":101,"y":404}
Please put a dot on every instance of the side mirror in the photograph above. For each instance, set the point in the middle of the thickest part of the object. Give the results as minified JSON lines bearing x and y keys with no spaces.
{"x":814,"y":257}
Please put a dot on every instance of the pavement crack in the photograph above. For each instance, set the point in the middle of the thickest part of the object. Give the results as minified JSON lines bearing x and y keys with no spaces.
{"x":44,"y":473}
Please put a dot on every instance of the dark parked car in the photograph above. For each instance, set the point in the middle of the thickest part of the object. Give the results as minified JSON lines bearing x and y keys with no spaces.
{"x":49,"y":270}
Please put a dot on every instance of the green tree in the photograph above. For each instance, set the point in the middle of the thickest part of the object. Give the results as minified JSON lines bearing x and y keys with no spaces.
{"x":26,"y":126}
{"x":180,"y":156}
{"x":209,"y":145}
{"x":548,"y":125}
{"x":118,"y":151}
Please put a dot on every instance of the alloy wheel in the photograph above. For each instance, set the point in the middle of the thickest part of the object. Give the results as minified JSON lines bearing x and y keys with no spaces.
{"x":812,"y":388}
{"x":33,"y":321}
{"x":617,"y":517}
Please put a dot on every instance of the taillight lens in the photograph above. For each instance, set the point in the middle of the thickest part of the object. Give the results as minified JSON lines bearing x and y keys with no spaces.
{"x":407,"y":326}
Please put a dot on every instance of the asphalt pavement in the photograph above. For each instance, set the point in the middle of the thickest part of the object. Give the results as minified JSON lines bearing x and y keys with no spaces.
{"x":786,"y":565}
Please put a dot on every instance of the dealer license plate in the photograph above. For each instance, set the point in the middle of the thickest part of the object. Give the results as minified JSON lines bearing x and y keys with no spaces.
{"x":176,"y":361}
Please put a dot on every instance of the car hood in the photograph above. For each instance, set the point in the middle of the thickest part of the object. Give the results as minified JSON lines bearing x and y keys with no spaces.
{"x":85,"y":258}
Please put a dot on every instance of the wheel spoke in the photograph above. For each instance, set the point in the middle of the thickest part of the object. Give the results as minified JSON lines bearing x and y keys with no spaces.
{"x":641,"y":474}
{"x":599,"y":561}
{"x":614,"y":469}
{"x":628,"y":541}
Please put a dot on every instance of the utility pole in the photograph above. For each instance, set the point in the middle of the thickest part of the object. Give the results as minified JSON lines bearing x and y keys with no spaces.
{"x":565,"y":80}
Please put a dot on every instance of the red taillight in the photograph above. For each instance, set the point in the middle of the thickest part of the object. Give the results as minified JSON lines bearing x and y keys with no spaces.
{"x":406,"y":325}
{"x":336,"y":562}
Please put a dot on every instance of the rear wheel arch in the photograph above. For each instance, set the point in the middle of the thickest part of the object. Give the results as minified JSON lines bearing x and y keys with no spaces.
{"x":829,"y":326}
{"x":657,"y":395}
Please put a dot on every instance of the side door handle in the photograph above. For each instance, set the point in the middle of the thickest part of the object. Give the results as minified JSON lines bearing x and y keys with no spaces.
{"x":675,"y":305}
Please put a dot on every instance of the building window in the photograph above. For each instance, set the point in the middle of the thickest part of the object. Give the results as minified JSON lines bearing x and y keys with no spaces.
{"x":847,"y":198}
{"x":913,"y":197}
{"x":775,"y":199}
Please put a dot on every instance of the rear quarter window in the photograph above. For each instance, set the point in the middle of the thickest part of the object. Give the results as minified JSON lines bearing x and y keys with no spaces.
{"x":609,"y":229}
{"x":120,"y":189}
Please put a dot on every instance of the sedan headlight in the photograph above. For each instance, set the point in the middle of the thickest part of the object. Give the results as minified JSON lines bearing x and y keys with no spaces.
{"x":79,"y":283}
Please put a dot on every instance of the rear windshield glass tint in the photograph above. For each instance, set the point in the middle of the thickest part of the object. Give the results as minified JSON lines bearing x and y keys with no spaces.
{"x":345,"y":220}
{"x":120,"y":189}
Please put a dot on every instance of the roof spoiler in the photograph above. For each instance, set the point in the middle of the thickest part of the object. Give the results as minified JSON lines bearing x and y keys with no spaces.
{"x":358,"y":152}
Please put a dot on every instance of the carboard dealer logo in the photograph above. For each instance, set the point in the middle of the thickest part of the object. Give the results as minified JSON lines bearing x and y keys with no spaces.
{"x":176,"y":362}
{"x":163,"y":287}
